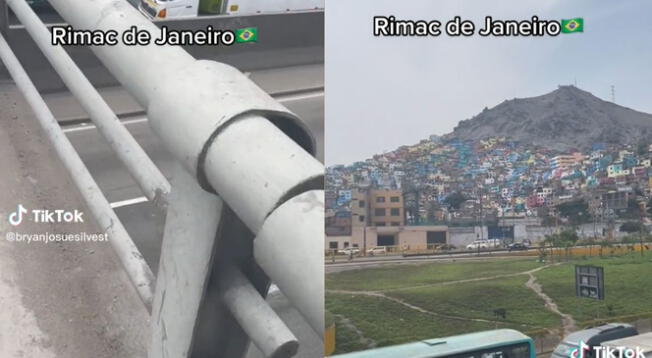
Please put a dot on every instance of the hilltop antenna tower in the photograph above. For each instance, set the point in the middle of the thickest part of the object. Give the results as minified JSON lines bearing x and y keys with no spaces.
{"x":613,"y":93}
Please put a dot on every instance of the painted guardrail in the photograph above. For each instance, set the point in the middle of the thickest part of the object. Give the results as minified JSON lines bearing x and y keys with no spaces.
{"x":246,"y":203}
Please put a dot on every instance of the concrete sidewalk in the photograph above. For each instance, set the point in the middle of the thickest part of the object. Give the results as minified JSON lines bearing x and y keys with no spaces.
{"x":57,"y":299}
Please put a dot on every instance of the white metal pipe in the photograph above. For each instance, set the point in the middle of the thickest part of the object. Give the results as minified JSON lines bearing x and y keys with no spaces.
{"x":289,"y":248}
{"x":192,"y":105}
{"x":217,"y":123}
{"x":137,"y":269}
{"x":267,"y":331}
{"x":139,"y":68}
{"x":262,"y":173}
{"x":153,"y":183}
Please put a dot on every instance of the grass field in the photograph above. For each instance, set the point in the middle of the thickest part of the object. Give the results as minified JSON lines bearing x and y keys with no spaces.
{"x":436,"y":305}
{"x":480,"y":299}
{"x":628,"y":288}
{"x":393,"y":277}
{"x":386,"y":322}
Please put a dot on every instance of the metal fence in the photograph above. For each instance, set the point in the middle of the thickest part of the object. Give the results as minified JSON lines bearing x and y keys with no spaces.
{"x":245,"y":206}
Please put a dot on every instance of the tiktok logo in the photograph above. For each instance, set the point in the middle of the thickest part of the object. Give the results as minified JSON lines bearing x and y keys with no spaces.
{"x":46,"y":216}
{"x":17,"y":217}
{"x":581,"y":351}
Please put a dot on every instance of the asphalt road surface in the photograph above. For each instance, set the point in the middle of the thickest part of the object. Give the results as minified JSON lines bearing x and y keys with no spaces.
{"x":371,"y":262}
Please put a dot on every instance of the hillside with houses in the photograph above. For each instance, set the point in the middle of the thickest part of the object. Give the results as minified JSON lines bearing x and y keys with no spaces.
{"x":564,"y":158}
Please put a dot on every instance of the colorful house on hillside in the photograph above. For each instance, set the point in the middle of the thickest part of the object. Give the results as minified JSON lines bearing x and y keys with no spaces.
{"x":615,"y":170}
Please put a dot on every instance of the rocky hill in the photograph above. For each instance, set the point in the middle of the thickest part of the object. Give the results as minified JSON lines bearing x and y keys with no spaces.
{"x":567,"y":118}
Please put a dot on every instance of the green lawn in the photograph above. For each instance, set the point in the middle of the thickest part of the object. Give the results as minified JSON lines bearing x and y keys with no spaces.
{"x":347,"y":339}
{"x":524,"y":309}
{"x":408,"y":275}
{"x":628,"y":293}
{"x":628,"y":288}
{"x":388,"y":323}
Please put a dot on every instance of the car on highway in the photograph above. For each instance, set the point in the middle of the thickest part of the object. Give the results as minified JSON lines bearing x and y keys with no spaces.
{"x":349,"y":251}
{"x":377,"y":250}
{"x":592,"y":337}
{"x":515,"y":246}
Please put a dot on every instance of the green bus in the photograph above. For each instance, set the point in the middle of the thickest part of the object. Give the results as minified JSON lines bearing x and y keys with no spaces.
{"x":500,"y":343}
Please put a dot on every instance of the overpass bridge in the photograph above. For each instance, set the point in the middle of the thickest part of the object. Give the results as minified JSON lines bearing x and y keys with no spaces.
{"x":77,"y":299}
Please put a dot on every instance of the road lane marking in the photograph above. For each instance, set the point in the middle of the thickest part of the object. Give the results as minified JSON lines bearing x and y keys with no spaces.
{"x":122,"y":203}
{"x":88,"y":126}
{"x":298,"y":97}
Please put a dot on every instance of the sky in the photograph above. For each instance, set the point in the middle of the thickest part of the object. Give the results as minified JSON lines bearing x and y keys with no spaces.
{"x":384,"y":92}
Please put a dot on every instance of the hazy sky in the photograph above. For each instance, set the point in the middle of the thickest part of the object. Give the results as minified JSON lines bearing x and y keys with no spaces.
{"x":386,"y":92}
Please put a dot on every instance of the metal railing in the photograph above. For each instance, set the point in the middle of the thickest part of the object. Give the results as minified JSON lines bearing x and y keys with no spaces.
{"x":246,"y":202}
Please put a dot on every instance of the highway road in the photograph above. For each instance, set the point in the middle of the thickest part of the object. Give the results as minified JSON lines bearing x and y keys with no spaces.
{"x":367,"y":262}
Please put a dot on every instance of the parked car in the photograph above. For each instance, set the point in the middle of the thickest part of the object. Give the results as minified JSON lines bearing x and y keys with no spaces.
{"x":495,"y":243}
{"x":349,"y":251}
{"x":478,"y":244}
{"x":518,"y":246}
{"x":593,"y":337}
{"x":377,"y":250}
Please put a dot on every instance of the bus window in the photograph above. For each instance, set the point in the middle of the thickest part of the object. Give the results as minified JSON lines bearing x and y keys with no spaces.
{"x":513,"y":351}
{"x":499,"y":343}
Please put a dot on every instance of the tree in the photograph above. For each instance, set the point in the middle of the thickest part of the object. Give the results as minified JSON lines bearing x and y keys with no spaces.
{"x":455,"y":200}
{"x":603,"y":245}
{"x":565,"y":240}
{"x":633,"y":208}
{"x":549,"y":222}
{"x":631,"y":227}
{"x":576,"y":211}
{"x":542,"y":251}
{"x":641,"y":148}
{"x":432,"y":208}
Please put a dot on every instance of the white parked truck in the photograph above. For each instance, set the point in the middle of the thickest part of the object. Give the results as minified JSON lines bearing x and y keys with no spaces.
{"x":165,"y":9}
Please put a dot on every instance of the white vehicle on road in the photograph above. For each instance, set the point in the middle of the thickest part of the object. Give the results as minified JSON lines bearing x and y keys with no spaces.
{"x":483,"y":244}
{"x":377,"y":250}
{"x":349,"y":251}
{"x":166,"y":9}
{"x":478,"y":244}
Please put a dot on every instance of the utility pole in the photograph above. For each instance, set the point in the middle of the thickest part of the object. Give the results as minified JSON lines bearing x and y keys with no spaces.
{"x":367,"y":220}
{"x":641,"y":206}
{"x":482,"y":212}
{"x":613,"y":93}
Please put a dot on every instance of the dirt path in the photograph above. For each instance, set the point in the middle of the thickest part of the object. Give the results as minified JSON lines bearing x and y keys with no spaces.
{"x":421,"y":309}
{"x":567,"y":321}
{"x":447,"y":283}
